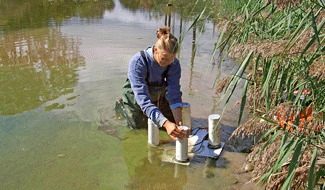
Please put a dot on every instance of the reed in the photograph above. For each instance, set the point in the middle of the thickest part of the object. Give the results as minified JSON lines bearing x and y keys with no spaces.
{"x":291,"y":61}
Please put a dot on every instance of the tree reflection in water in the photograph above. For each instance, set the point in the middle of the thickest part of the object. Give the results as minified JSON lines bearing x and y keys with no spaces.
{"x":36,"y":66}
{"x":38,"y":63}
{"x":22,"y":14}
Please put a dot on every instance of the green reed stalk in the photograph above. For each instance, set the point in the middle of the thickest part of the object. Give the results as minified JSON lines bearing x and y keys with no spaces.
{"x":281,"y":73}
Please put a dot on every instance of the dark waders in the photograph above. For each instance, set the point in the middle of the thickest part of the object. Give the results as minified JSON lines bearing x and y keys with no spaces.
{"x":131,"y":111}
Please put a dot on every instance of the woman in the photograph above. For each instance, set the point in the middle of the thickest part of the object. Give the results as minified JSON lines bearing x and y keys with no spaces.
{"x":153,"y":86}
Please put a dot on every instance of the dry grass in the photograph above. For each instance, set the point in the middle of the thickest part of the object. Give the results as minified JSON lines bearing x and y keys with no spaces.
{"x":222,"y":84}
{"x":284,"y":3}
{"x":267,"y":159}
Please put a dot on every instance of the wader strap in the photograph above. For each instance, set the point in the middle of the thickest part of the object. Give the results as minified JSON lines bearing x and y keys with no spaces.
{"x":164,"y":75}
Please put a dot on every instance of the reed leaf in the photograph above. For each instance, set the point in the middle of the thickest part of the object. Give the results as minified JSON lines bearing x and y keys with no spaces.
{"x":281,"y":83}
{"x":315,"y":27}
{"x":194,"y":22}
{"x":267,"y":99}
{"x":267,"y":81}
{"x":267,"y":119}
{"x":200,"y":34}
{"x":271,"y":140}
{"x":301,"y":87}
{"x":282,"y":22}
{"x":311,"y":171}
{"x":321,"y":3}
{"x":310,"y":43}
{"x":225,"y":42}
{"x":301,"y":24}
{"x":196,"y":19}
{"x":243,"y":101}
{"x":218,"y":43}
{"x":320,"y":173}
{"x":238,"y":75}
{"x":260,"y":10}
{"x":235,"y":79}
{"x":292,"y":167}
{"x":285,"y":151}
{"x":244,"y":64}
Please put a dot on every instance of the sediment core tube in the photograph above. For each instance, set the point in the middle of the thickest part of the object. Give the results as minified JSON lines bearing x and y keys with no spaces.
{"x":153,"y":133}
{"x":182,"y":147}
{"x":214,"y":130}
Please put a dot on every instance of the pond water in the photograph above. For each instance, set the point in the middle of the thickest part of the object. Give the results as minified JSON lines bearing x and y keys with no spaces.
{"x":62,"y":67}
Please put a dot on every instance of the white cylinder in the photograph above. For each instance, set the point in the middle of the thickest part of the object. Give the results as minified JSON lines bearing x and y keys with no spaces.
{"x":182,"y":147}
{"x":153,"y":133}
{"x":214,"y":130}
{"x":186,"y":114}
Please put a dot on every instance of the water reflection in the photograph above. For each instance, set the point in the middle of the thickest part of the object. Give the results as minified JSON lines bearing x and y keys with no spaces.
{"x":38,"y":63}
{"x":183,"y":7}
{"x":36,"y":66}
{"x":192,"y":58}
{"x":209,"y":167}
{"x":41,"y":13}
{"x":156,"y":174}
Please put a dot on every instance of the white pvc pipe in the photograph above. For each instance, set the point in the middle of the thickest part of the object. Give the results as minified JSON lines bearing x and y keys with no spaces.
{"x":182,"y":147}
{"x":214,"y":130}
{"x":153,"y":133}
{"x":186,"y":114}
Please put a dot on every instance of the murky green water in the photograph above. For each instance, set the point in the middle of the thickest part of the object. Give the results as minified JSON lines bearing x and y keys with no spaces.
{"x":62,"y":66}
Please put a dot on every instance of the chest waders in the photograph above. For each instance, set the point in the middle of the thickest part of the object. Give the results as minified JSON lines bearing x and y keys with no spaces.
{"x":132,"y":111}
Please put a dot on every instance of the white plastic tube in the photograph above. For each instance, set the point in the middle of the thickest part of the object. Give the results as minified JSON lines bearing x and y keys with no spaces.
{"x":186,"y":114}
{"x":153,"y":133}
{"x":182,"y":147}
{"x":214,"y":130}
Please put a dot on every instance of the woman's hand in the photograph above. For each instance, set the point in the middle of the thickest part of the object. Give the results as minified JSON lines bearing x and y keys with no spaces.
{"x":177,"y":112}
{"x":173,"y":130}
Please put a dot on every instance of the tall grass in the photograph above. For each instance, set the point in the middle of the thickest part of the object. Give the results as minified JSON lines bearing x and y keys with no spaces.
{"x":272,"y":76}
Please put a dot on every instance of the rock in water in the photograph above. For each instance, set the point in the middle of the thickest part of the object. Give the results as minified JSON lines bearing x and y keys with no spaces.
{"x":249,"y":167}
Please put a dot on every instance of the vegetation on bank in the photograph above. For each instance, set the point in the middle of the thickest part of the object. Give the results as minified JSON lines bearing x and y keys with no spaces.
{"x":281,"y":45}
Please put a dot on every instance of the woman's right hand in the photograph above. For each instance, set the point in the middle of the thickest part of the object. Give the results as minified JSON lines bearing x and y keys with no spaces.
{"x":173,"y":130}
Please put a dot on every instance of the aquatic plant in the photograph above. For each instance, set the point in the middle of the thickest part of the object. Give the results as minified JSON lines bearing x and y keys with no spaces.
{"x":283,"y":58}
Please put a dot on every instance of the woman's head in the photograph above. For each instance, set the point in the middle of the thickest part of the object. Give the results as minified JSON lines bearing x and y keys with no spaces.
{"x":165,"y":48}
{"x":166,"y":41}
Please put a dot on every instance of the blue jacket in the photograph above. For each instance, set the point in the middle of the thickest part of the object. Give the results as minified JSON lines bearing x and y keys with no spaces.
{"x":137,"y":74}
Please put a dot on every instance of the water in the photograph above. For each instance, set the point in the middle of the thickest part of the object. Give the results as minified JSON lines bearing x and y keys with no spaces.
{"x":62,"y":67}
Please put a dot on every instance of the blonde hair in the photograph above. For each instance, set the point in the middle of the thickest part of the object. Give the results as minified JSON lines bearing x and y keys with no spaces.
{"x":166,"y":41}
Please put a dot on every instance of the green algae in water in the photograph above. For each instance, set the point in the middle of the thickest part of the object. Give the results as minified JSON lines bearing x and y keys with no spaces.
{"x":54,"y":106}
{"x":29,"y":155}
